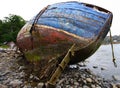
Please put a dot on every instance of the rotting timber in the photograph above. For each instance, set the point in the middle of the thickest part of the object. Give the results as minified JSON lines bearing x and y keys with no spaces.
{"x":46,"y":38}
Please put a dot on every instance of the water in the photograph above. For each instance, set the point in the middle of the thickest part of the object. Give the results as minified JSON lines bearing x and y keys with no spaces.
{"x":101,"y":62}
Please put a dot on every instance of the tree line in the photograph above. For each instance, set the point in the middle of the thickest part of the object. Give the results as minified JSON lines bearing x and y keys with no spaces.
{"x":115,"y":39}
{"x":9,"y":27}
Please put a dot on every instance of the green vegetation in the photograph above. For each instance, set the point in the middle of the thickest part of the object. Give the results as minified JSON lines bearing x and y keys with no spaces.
{"x":9,"y":28}
{"x":4,"y":46}
{"x":32,"y":56}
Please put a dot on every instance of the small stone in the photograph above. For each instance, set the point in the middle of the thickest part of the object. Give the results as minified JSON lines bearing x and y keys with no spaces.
{"x":98,"y":86}
{"x":21,"y":68}
{"x":3,"y":86}
{"x":89,"y":80}
{"x":5,"y":73}
{"x":95,"y":66}
{"x":67,"y":82}
{"x":118,"y":85}
{"x":80,"y":87}
{"x":93,"y":86}
{"x":76,"y":83}
{"x":36,"y":78}
{"x":103,"y":68}
{"x":27,"y":86}
{"x":31,"y":76}
{"x":40,"y":85}
{"x":116,"y":77}
{"x":7,"y":81}
{"x":70,"y":86}
{"x":85,"y":86}
{"x":22,"y":74}
{"x":114,"y":86}
{"x":61,"y":81}
{"x":84,"y":81}
{"x":77,"y":75}
{"x":15,"y":83}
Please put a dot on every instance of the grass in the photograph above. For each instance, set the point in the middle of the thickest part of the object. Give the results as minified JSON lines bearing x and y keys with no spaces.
{"x":4,"y":46}
{"x":32,"y":56}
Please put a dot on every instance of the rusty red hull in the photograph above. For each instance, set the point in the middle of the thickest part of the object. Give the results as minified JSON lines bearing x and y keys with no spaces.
{"x":50,"y":34}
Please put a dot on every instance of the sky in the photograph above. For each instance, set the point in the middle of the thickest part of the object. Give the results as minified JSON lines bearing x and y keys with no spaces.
{"x":29,"y":8}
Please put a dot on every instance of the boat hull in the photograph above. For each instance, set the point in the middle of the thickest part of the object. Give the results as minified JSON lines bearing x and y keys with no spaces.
{"x":59,"y":26}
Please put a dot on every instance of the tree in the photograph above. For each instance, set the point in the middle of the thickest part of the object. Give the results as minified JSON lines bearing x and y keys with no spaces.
{"x":9,"y":28}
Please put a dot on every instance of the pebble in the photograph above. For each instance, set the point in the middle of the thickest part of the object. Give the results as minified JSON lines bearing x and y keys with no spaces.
{"x":95,"y":66}
{"x":22,"y":74}
{"x":3,"y":86}
{"x":40,"y":85}
{"x":61,"y":81}
{"x":5,"y":73}
{"x":103,"y":68}
{"x":76,"y":83}
{"x":116,"y":77}
{"x":31,"y":76}
{"x":86,"y":86}
{"x":15,"y":83}
{"x":14,"y":75}
{"x":89,"y":80}
{"x":114,"y":86}
{"x":93,"y":86}
{"x":98,"y":87}
{"x":21,"y":68}
{"x":118,"y":85}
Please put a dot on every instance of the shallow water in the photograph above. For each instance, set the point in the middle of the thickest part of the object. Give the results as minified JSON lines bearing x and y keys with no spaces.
{"x":101,"y":62}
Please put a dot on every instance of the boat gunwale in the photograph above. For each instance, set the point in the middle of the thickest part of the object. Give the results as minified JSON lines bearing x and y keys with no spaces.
{"x":92,"y":6}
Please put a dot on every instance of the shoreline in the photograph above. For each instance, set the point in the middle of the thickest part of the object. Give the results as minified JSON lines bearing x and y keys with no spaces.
{"x":14,"y":73}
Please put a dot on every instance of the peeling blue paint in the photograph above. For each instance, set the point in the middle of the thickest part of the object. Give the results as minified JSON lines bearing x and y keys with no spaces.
{"x":74,"y":17}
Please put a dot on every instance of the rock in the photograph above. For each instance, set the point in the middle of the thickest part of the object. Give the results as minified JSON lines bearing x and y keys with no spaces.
{"x":67,"y":82}
{"x":98,"y":87}
{"x":17,"y":75}
{"x":61,"y":81}
{"x":93,"y":86}
{"x":77,"y":75}
{"x":3,"y":86}
{"x":15,"y":83}
{"x":95,"y":66}
{"x":7,"y":81}
{"x":84,"y":81}
{"x":89,"y":80}
{"x":116,"y":77}
{"x":76,"y":83}
{"x":114,"y":86}
{"x":22,"y":74}
{"x":103,"y":68}
{"x":27,"y":86}
{"x":5,"y":73}
{"x":118,"y":85}
{"x":40,"y":85}
{"x":85,"y":86}
{"x":21,"y":68}
{"x":36,"y":78}
{"x":81,"y":64}
{"x":31,"y":76}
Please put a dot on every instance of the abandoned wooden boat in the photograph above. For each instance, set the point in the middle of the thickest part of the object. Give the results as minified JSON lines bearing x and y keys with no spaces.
{"x":51,"y":33}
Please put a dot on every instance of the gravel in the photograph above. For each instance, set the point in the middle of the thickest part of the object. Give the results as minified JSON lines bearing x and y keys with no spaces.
{"x":15,"y":74}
